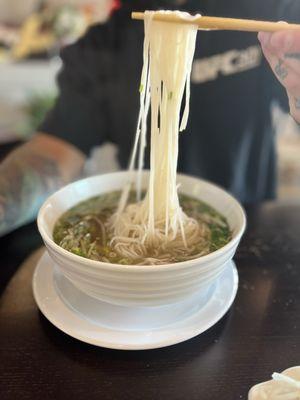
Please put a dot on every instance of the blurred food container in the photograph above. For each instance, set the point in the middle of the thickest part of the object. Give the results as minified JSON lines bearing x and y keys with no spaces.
{"x":98,"y":10}
{"x":19,"y":84}
{"x":15,"y":11}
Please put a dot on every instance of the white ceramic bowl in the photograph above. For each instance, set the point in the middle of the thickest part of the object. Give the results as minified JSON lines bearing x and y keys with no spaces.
{"x":140,"y":286}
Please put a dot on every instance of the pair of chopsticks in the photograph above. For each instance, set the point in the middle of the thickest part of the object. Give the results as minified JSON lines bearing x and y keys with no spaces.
{"x":217,"y":23}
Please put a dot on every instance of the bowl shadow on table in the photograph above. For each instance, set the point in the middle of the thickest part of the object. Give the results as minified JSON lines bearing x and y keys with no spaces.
{"x":80,"y":352}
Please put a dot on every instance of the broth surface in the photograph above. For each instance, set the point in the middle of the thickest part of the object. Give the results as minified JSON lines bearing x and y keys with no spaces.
{"x":82,"y":229}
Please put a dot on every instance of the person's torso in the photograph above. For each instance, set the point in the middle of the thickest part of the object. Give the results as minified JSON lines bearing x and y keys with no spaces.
{"x":229,"y":139}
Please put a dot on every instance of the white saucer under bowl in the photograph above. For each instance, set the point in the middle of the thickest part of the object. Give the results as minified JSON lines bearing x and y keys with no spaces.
{"x":61,"y":304}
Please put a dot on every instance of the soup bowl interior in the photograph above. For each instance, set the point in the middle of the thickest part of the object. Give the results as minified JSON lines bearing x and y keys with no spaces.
{"x":133,"y":285}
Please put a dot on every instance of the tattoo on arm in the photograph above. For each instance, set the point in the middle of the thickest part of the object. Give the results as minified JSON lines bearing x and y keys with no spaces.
{"x":26,"y":179}
{"x":295,"y":56}
{"x":280,"y":71}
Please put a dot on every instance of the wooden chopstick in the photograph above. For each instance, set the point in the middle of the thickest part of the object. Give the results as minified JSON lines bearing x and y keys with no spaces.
{"x":217,"y":23}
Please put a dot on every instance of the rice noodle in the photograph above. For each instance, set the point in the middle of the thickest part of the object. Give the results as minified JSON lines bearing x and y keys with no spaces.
{"x":156,"y":227}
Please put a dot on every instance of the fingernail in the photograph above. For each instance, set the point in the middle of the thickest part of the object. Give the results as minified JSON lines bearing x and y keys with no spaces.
{"x":282,"y":40}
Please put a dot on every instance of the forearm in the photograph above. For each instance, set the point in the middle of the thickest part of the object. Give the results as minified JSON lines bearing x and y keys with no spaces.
{"x":31,"y":173}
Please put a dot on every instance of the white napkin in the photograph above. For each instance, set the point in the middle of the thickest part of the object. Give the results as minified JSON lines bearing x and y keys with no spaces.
{"x":283,"y":386}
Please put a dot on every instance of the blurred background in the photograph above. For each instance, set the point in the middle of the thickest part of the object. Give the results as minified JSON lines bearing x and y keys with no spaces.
{"x":31,"y":35}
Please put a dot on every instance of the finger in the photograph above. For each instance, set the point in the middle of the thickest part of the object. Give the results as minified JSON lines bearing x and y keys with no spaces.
{"x":286,"y":74}
{"x":291,"y":53}
{"x":281,"y":42}
{"x":289,"y":80}
{"x":287,"y":46}
{"x":282,"y":51}
{"x":264,"y":38}
{"x":283,"y":45}
{"x":269,"y":55}
{"x":285,"y":41}
{"x":277,"y":64}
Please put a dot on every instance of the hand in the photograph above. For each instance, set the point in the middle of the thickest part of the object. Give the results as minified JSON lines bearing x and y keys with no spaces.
{"x":282,"y":50}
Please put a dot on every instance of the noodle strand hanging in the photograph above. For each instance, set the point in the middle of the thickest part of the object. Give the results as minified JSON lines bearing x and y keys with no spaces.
{"x":158,"y":221}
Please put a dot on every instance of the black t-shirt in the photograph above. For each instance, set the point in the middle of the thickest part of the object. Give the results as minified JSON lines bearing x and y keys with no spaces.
{"x":229,"y":139}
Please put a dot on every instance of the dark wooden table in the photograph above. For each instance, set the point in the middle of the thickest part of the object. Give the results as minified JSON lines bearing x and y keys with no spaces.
{"x":259,"y":335}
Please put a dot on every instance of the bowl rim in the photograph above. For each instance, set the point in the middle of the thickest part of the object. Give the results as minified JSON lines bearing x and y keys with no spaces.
{"x":133,"y":267}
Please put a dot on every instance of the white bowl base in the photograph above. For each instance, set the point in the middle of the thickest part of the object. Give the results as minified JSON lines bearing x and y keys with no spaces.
{"x":128,"y":318}
{"x":129,"y":328}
